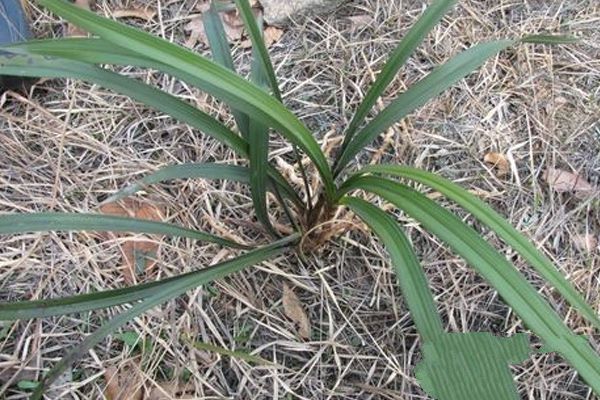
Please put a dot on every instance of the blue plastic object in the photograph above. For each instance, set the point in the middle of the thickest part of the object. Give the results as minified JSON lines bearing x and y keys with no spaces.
{"x":13,"y":28}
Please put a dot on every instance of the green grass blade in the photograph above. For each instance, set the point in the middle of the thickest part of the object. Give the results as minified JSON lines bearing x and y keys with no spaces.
{"x":169,"y":291}
{"x":410,"y":276}
{"x":487,"y":216}
{"x":258,"y":45}
{"x":56,"y":221}
{"x":441,"y":78}
{"x":211,"y":77}
{"x":242,"y":354}
{"x":81,"y":303}
{"x":217,"y":40}
{"x":549,"y":39}
{"x":89,"y":301}
{"x":493,"y":266}
{"x":90,"y":50}
{"x":399,"y":56}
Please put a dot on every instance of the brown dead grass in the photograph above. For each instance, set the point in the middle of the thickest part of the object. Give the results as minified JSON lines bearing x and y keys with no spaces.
{"x":68,"y":145}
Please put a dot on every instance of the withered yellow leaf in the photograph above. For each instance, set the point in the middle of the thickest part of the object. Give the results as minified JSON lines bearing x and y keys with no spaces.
{"x":499,"y":162}
{"x":293,"y":310}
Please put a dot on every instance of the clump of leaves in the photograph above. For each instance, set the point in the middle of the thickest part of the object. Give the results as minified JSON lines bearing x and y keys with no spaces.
{"x":258,"y":110}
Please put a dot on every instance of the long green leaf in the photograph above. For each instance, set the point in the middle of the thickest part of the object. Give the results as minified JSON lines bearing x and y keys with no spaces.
{"x":89,"y":301}
{"x":48,"y":65}
{"x":493,"y":266}
{"x":211,"y":77}
{"x":258,"y":139}
{"x":486,"y":215}
{"x":409,"y":274}
{"x":433,"y":84}
{"x":263,"y":75}
{"x":217,"y":39}
{"x":441,"y":78}
{"x":58,"y":67}
{"x":51,"y":221}
{"x":168,"y":291}
{"x":401,"y":53}
{"x":258,"y":45}
{"x":549,"y":39}
{"x":215,"y":171}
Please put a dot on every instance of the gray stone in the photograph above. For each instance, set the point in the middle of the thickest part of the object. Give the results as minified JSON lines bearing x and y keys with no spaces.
{"x":280,"y":12}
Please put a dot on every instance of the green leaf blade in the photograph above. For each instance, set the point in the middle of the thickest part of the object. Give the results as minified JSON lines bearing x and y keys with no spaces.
{"x":397,"y":59}
{"x":441,"y":78}
{"x":410,"y":275}
{"x":58,"y":67}
{"x":55,"y":221}
{"x":549,"y":39}
{"x":261,"y":55}
{"x":217,"y":40}
{"x":167,"y":292}
{"x":486,"y":215}
{"x":507,"y":280}
{"x":211,"y":77}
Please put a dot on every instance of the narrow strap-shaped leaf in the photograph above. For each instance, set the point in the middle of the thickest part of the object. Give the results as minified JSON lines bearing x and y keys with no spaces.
{"x":493,"y":266}
{"x":482,"y":357}
{"x":486,"y":215}
{"x":217,"y":40}
{"x":56,"y":221}
{"x":258,"y":46}
{"x":258,"y":140}
{"x":107,"y":53}
{"x":89,"y":301}
{"x":401,"y":53}
{"x":57,"y":67}
{"x":81,"y":303}
{"x":170,"y":290}
{"x":258,"y":144}
{"x":409,"y":273}
{"x":215,"y":171}
{"x":441,"y":78}
{"x":549,"y":39}
{"x":433,"y":84}
{"x":211,"y":77}
{"x":263,"y":73}
{"x":23,"y":64}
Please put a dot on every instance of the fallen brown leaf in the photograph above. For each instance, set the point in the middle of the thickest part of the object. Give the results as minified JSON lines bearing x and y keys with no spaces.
{"x":232,"y":25}
{"x":294,"y":311}
{"x":195,"y":29}
{"x":123,"y":383}
{"x":563,"y":181}
{"x":272,"y":35}
{"x":146,"y":14}
{"x":139,"y":254}
{"x":585,"y":242}
{"x":73,"y":30}
{"x":499,"y":162}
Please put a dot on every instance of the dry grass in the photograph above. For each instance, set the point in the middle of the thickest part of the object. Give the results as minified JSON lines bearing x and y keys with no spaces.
{"x":68,"y":145}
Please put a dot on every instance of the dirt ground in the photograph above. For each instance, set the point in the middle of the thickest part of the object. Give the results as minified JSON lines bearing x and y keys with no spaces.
{"x":67,"y":145}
